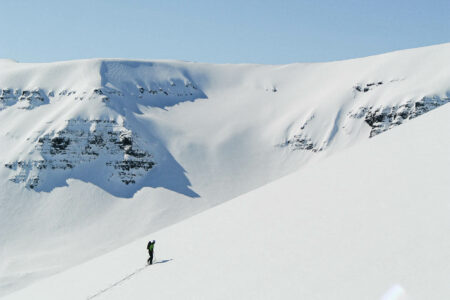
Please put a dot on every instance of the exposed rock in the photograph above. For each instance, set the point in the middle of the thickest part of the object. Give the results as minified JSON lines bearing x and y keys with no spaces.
{"x":85,"y":144}
{"x":380,"y":119}
{"x":384,"y":118}
{"x":301,"y":142}
{"x":25,"y":99}
{"x":367,"y":87}
{"x":82,"y":142}
{"x":172,"y":92}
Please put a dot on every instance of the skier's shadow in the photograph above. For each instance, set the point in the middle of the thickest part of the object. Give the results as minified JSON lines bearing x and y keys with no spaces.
{"x":162,"y":261}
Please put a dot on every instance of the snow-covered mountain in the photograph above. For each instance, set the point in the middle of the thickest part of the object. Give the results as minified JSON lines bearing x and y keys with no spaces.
{"x":368,"y":223}
{"x":97,"y":153}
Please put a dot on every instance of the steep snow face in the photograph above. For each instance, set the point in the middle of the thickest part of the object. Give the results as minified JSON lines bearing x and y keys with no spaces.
{"x":97,"y":134}
{"x":343,"y":228}
{"x":175,"y":138}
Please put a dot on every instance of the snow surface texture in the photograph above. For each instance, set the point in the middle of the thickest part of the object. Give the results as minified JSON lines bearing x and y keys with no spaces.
{"x":175,"y":138}
{"x":368,"y":223}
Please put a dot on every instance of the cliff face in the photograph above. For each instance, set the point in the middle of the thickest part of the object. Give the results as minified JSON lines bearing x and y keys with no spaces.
{"x":25,"y":99}
{"x":79,"y":144}
{"x":96,"y":131}
{"x":384,"y":118}
{"x":380,"y":119}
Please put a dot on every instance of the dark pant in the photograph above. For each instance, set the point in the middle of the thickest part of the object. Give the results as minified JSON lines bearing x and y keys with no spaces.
{"x":150,"y":259}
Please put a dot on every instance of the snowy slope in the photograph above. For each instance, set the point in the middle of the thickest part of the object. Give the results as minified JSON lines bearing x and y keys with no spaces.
{"x":368,"y":223}
{"x":96,"y":153}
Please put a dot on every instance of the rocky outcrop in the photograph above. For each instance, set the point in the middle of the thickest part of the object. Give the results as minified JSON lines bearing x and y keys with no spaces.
{"x":383,"y":118}
{"x":160,"y":94}
{"x":364,"y":88}
{"x":380,"y":119}
{"x":25,"y":99}
{"x":301,"y":142}
{"x":84,"y":142}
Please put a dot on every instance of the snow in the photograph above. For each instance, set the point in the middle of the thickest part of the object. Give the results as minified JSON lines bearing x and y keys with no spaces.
{"x":368,"y":223}
{"x":219,"y":132}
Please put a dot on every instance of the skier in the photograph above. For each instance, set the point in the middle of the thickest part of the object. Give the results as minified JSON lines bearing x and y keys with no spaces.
{"x":150,"y":247}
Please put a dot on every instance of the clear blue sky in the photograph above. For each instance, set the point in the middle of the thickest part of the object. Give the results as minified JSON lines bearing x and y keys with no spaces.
{"x":229,"y":31}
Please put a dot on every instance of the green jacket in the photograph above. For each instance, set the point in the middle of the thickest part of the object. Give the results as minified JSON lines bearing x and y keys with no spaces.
{"x":150,"y":246}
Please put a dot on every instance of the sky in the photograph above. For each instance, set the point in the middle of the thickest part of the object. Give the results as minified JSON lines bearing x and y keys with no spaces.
{"x":268,"y":32}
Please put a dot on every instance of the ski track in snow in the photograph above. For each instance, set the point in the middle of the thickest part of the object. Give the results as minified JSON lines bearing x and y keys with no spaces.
{"x":117,"y":283}
{"x":126,"y":278}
